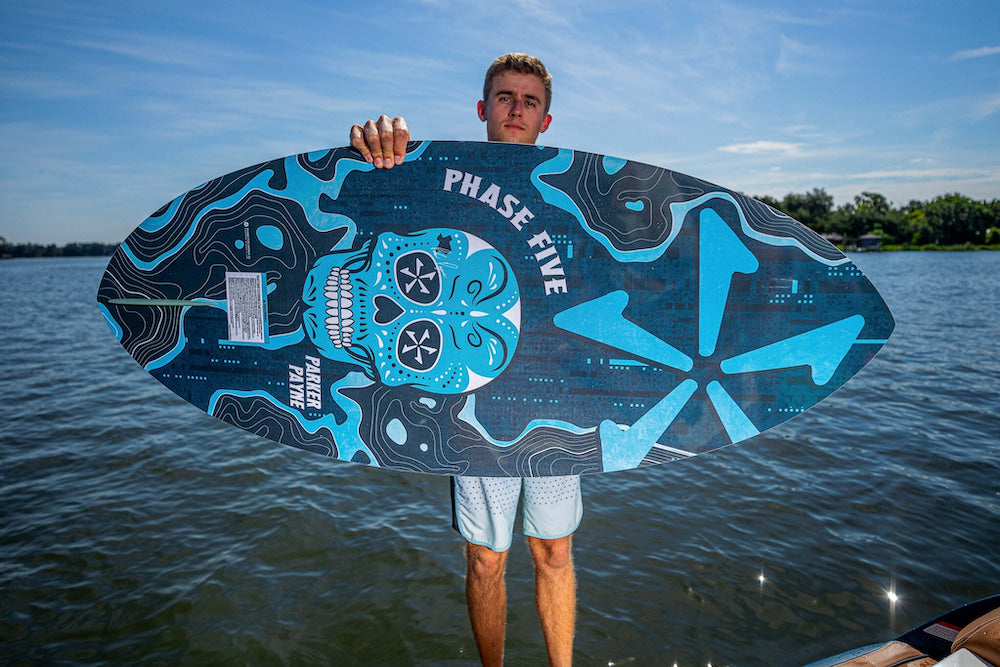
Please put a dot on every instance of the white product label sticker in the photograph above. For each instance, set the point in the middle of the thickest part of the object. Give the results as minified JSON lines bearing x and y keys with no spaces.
{"x":246,"y":307}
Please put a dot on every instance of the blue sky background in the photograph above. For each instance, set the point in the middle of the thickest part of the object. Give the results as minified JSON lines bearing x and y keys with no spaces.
{"x":110,"y":109}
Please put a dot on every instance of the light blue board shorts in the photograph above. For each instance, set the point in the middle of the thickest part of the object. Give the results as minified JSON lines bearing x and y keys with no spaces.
{"x":484,"y":508}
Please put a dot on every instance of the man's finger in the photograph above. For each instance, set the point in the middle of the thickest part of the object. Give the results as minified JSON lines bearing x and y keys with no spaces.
{"x":401,"y":136}
{"x":386,"y":137}
{"x":371,"y":135}
{"x":358,"y":142}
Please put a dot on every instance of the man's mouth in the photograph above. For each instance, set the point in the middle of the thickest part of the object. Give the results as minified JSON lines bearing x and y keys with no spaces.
{"x":339,"y":301}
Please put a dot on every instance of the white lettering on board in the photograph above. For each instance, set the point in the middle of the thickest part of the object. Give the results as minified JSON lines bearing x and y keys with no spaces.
{"x":547,"y":255}
{"x":296,"y":387}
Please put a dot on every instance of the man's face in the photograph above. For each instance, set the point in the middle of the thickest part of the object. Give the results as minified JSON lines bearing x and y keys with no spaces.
{"x":515,"y":110}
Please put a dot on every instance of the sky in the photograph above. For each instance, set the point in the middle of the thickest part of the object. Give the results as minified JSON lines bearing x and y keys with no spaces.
{"x":108,"y":110}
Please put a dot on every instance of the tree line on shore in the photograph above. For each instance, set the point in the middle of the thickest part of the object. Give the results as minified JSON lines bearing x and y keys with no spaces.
{"x":11,"y":250}
{"x":949,"y":220}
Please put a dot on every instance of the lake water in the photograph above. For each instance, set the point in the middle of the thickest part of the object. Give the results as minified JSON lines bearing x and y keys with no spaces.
{"x":136,"y":530}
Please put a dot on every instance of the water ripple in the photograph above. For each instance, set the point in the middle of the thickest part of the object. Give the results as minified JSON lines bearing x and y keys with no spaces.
{"x":136,"y":530}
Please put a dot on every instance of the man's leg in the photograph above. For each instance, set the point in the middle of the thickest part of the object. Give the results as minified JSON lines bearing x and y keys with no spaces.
{"x":555,"y":595}
{"x":483,"y":512}
{"x":486,"y":595}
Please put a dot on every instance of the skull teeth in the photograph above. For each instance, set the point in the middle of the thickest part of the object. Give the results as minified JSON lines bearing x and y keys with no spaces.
{"x":339,"y":294}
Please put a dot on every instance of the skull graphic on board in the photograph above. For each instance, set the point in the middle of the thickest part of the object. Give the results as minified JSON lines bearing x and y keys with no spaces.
{"x":439,"y":310}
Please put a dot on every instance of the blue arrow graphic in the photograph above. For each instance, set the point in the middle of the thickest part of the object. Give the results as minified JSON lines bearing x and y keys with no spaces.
{"x":721,"y":254}
{"x":624,"y":449}
{"x":821,"y":350}
{"x":738,"y":426}
{"x":602,"y":320}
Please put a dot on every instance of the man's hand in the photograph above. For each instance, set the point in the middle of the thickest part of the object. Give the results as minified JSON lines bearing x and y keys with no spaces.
{"x":382,"y":142}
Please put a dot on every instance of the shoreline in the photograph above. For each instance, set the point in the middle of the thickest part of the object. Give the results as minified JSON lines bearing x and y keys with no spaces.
{"x":967,"y":247}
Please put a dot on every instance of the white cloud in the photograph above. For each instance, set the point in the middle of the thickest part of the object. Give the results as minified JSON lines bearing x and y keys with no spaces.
{"x":157,"y":50}
{"x":971,"y":54}
{"x":923,"y":185}
{"x":796,"y":57}
{"x":543,"y":12}
{"x":790,"y":55}
{"x":803,"y":131}
{"x":986,"y":107}
{"x":783,"y":148}
{"x":943,"y":173}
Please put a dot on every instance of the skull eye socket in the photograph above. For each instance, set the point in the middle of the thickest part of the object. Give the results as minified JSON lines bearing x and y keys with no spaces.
{"x":418,"y":277}
{"x":419,"y":345}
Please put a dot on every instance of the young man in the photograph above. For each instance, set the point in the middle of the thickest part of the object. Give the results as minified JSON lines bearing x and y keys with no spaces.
{"x":517,"y":93}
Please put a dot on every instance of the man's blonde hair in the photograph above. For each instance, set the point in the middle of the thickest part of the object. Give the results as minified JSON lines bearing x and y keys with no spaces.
{"x":521,"y":63}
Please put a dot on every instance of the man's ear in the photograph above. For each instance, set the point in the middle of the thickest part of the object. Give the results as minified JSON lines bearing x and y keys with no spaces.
{"x":481,"y":108}
{"x":545,"y":122}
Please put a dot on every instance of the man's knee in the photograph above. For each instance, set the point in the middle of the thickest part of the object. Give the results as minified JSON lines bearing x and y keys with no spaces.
{"x":484,"y":563}
{"x":551,"y":554}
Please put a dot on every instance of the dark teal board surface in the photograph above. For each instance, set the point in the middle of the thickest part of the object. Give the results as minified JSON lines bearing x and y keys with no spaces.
{"x":489,"y":309}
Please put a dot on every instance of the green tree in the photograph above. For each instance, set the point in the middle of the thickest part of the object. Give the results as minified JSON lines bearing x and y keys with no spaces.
{"x":870,"y":212}
{"x":812,"y":209}
{"x":955,"y":219}
{"x":770,"y":201}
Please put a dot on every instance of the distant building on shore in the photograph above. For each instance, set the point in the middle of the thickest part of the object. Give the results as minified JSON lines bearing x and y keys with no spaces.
{"x":869,"y":242}
{"x":835,"y":238}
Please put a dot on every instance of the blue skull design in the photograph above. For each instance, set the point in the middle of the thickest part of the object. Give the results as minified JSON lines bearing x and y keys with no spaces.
{"x":439,"y":310}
